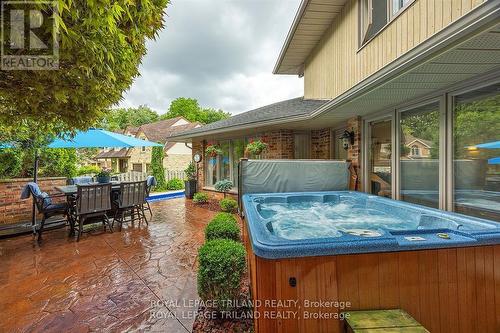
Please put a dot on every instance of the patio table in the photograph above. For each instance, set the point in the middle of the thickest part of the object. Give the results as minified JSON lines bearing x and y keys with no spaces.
{"x":70,"y":190}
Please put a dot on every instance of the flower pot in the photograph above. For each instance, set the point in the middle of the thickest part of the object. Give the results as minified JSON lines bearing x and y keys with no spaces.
{"x":103,"y":179}
{"x":190,"y":188}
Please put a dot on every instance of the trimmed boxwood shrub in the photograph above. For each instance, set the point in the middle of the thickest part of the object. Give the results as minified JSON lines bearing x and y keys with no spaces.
{"x":220,"y":272}
{"x":223,"y":226}
{"x":200,"y":198}
{"x":228,"y":205}
{"x":175,"y":184}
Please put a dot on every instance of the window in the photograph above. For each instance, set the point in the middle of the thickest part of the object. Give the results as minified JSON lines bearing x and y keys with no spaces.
{"x":398,"y":5}
{"x":143,"y":149}
{"x":415,"y":151}
{"x":225,"y":166}
{"x":372,"y":17}
{"x":419,"y":175}
{"x":476,"y":151}
{"x":137,"y":167}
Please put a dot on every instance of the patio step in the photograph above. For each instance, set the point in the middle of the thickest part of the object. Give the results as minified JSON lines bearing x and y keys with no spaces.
{"x":382,"y":321}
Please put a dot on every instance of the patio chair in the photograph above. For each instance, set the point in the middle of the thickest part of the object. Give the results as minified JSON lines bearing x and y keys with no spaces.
{"x":45,"y":206}
{"x":92,"y":203}
{"x":150,"y":183}
{"x":130,"y":202}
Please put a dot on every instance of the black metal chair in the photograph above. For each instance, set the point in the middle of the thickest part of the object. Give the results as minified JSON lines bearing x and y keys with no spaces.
{"x":150,"y":183}
{"x":130,"y":203}
{"x":91,"y":205}
{"x":46,"y":207}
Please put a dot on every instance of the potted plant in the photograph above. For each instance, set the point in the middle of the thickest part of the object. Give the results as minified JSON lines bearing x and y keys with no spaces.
{"x":190,"y":182}
{"x":256,"y":147}
{"x":104,"y":176}
{"x":213,"y":150}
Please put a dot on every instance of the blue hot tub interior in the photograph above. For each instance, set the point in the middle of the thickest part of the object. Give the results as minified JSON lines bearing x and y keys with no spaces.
{"x":290,"y":224}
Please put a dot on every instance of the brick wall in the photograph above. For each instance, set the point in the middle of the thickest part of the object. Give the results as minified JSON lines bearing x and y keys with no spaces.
{"x":354,"y":152}
{"x":321,"y":143}
{"x":12,"y":208}
{"x":280,"y":144}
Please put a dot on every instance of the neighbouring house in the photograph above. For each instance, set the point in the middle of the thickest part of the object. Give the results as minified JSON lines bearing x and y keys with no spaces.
{"x":177,"y":154}
{"x":413,"y":84}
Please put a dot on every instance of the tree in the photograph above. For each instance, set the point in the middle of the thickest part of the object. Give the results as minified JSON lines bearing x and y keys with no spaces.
{"x":116,"y":119}
{"x":190,"y":109}
{"x":101,"y":44}
{"x":157,"y":168}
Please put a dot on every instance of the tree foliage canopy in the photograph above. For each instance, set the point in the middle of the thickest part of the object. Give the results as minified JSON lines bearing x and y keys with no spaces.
{"x":101,"y":44}
{"x":190,"y":109}
{"x":122,"y":118}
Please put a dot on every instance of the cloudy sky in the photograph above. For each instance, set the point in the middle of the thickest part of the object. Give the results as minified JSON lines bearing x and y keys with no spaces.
{"x":221,"y":52}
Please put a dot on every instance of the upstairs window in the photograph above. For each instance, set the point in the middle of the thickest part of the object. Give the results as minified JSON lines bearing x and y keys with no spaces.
{"x":398,"y":5}
{"x":373,"y":17}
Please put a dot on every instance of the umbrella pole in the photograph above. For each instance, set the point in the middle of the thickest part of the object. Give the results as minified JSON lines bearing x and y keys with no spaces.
{"x":35,"y":179}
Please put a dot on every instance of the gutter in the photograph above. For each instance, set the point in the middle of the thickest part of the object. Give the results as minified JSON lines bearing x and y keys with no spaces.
{"x":481,"y":18}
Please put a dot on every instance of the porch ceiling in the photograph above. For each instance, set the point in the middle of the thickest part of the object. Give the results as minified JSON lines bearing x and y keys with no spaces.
{"x":310,"y":23}
{"x":476,"y":56}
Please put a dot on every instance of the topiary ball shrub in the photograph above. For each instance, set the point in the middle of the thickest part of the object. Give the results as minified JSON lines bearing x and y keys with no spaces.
{"x":200,"y":198}
{"x":175,"y":184}
{"x":223,"y":226}
{"x":228,"y":205}
{"x":220,"y":273}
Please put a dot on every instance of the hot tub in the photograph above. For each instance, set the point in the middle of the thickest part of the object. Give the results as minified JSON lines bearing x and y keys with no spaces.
{"x":372,"y":252}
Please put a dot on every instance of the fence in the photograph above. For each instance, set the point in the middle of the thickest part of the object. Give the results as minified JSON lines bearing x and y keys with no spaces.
{"x":133,"y":176}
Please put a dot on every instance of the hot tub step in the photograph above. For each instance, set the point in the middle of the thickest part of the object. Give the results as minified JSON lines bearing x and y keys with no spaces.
{"x":374,"y":321}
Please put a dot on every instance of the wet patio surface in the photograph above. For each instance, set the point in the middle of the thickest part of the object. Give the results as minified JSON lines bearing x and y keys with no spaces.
{"x":106,"y":282}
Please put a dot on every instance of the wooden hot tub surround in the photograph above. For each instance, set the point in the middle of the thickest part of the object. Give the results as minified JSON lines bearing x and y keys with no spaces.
{"x":446,"y":290}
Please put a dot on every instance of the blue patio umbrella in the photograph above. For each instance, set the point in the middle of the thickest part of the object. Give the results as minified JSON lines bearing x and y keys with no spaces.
{"x":494,"y":160}
{"x":489,"y":145}
{"x":98,"y":138}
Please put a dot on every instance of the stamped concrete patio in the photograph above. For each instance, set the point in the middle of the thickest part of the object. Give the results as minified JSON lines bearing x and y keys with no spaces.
{"x":106,"y":282}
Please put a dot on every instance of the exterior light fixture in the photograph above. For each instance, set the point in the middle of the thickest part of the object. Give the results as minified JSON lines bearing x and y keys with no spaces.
{"x":347,"y":139}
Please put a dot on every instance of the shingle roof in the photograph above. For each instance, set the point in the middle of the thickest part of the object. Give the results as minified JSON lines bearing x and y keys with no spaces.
{"x":289,"y":108}
{"x":160,"y":131}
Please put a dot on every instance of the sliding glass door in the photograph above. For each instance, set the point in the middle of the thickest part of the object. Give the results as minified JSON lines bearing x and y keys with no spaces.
{"x":476,"y":153}
{"x":419,"y":155}
{"x":379,"y":158}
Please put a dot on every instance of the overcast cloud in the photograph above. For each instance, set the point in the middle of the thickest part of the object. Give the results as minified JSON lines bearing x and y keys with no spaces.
{"x":221,"y":52}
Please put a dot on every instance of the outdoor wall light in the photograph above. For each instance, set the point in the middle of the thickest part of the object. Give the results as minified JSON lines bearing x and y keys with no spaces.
{"x":347,"y":139}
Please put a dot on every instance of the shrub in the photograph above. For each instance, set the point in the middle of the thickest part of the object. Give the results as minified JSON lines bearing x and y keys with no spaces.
{"x":224,"y":186}
{"x":88,"y":170}
{"x":175,"y":184}
{"x":220,"y":272}
{"x":200,"y":198}
{"x":223,"y":226}
{"x":228,"y":205}
{"x":10,"y":163}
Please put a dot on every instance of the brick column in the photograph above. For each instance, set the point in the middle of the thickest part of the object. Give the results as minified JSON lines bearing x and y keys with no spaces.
{"x":354,"y":152}
{"x":199,"y":147}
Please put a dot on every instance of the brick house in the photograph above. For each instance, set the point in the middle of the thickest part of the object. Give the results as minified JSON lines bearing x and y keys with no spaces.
{"x":406,"y":79}
{"x":177,"y":155}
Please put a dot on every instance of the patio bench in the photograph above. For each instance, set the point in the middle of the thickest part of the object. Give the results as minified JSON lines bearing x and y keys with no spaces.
{"x":382,"y":321}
